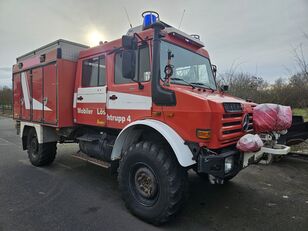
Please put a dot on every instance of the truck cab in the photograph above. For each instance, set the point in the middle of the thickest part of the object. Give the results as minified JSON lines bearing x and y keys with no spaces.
{"x":114,"y":90}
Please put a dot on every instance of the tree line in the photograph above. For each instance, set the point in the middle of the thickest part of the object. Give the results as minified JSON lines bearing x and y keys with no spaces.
{"x":292,"y":91}
{"x":6,"y":96}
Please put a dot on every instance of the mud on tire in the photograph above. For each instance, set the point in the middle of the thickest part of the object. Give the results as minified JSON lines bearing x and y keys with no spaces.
{"x":40,"y":154}
{"x":152,"y":183}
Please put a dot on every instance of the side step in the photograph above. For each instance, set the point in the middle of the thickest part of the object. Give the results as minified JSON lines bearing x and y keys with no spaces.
{"x":82,"y":156}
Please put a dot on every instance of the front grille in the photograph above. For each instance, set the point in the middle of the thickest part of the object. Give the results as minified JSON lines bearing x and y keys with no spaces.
{"x":231,"y":123}
{"x":232,"y":131}
{"x":232,"y":115}
{"x":232,"y":107}
{"x":232,"y":127}
{"x":250,"y":128}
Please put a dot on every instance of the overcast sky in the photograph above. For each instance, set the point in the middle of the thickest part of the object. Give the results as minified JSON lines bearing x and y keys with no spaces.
{"x":254,"y":36}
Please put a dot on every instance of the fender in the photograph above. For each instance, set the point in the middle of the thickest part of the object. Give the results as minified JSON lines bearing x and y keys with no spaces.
{"x":45,"y":134}
{"x":182,"y":152}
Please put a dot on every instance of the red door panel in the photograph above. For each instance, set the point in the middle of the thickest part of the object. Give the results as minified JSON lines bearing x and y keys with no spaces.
{"x":91,"y":106}
{"x":17,"y":96}
{"x":26,"y":95}
{"x":49,"y":93}
{"x":37,"y":99}
{"x":127,"y":103}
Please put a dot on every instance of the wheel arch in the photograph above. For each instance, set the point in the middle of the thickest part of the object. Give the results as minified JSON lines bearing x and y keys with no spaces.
{"x":44,"y":134}
{"x":133,"y":131}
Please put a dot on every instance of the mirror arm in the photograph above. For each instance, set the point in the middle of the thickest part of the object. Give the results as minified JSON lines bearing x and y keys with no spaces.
{"x":214,"y":70}
{"x":140,"y":85}
{"x":224,"y":88}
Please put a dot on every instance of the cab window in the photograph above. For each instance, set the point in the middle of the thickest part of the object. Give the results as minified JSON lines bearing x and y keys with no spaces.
{"x":142,"y":72}
{"x":94,"y":72}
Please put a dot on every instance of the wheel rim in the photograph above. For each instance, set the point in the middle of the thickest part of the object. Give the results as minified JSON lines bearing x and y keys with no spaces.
{"x":267,"y":159}
{"x":144,"y":184}
{"x":34,"y":147}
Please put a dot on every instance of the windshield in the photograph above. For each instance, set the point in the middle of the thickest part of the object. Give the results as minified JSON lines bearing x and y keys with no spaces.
{"x":188,"y":66}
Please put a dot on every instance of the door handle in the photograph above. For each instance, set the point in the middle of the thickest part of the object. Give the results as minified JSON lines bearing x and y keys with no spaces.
{"x":113,"y":97}
{"x":45,"y":100}
{"x":80,"y":98}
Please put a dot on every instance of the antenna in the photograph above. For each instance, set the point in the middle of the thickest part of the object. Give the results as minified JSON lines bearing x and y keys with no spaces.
{"x":182,"y":18}
{"x":129,"y":22}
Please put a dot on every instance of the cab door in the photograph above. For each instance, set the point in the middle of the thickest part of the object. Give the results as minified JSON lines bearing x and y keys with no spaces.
{"x":126,"y":101}
{"x":91,"y":96}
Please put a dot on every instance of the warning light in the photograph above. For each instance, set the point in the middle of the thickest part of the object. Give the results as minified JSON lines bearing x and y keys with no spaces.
{"x":149,"y":17}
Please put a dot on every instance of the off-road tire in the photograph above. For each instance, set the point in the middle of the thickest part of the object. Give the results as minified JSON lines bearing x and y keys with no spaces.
{"x":267,"y":159}
{"x":40,"y":154}
{"x":170,"y":177}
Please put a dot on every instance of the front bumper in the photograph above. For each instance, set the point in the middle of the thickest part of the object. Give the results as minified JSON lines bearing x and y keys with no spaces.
{"x":215,"y":164}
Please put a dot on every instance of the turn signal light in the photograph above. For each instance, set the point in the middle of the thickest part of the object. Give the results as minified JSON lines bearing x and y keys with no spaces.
{"x":203,"y":134}
{"x":156,"y":113}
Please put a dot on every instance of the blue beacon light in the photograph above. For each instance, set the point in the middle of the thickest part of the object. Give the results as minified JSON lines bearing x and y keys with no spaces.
{"x":149,"y":17}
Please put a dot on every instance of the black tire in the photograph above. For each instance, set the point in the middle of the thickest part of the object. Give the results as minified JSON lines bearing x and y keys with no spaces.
{"x":267,"y":159}
{"x":152,"y":183}
{"x":40,"y":154}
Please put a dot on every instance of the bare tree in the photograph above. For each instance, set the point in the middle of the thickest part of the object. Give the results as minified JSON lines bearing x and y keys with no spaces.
{"x":300,"y":59}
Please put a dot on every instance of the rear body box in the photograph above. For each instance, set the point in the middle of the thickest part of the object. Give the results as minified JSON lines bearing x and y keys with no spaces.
{"x":43,"y":84}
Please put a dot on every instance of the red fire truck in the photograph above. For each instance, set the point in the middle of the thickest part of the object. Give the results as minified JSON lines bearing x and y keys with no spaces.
{"x":146,"y":106}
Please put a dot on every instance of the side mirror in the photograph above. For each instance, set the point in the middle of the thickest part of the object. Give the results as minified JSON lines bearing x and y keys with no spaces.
{"x":214,"y":69}
{"x":129,"y":42}
{"x":224,"y":88}
{"x":128,"y":64}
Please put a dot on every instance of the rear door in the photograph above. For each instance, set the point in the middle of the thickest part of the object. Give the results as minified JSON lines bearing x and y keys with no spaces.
{"x":91,"y":96}
{"x":26,"y":99}
{"x":49,"y":99}
{"x":37,"y":97}
{"x":17,"y":96}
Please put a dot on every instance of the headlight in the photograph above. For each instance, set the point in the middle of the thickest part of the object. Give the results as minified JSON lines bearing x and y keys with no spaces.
{"x":228,"y":164}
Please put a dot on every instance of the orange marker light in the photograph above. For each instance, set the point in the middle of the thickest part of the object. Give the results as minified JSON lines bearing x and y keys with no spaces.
{"x":156,"y":113}
{"x":203,"y":134}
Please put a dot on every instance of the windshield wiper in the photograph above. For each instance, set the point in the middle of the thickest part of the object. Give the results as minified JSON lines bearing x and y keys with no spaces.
{"x":179,"y":79}
{"x":203,"y":85}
